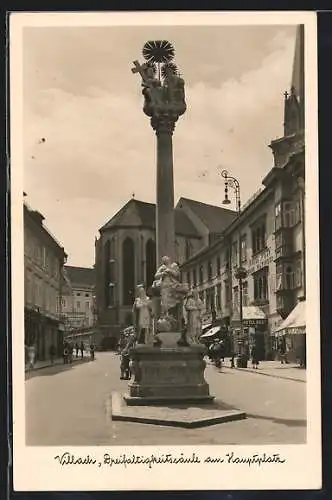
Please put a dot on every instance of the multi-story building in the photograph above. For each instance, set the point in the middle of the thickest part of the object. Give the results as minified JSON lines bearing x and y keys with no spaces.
{"x":126,"y":253}
{"x":78,"y":301}
{"x":267,"y":239}
{"x":44,"y":259}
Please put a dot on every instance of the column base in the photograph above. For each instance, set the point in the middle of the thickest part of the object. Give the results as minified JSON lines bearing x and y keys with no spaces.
{"x":163,"y":376}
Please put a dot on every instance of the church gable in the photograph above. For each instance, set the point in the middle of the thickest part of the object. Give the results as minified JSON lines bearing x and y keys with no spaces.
{"x":128,"y":216}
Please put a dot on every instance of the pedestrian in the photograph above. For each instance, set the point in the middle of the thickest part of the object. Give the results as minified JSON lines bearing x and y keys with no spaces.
{"x":71,"y":351}
{"x":92,"y":351}
{"x":31,"y":356}
{"x":52,"y":352}
{"x":282,"y":352}
{"x":217,"y":353}
{"x":232,"y":359}
{"x":65,"y":353}
{"x":82,"y":349}
{"x":77,"y":348}
{"x":254,"y":357}
{"x":125,"y":358}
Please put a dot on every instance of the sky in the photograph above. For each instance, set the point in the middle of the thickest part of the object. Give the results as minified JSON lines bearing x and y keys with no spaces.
{"x":88,"y":145}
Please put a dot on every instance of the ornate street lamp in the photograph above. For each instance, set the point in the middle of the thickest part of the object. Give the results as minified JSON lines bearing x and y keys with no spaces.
{"x":240,"y":273}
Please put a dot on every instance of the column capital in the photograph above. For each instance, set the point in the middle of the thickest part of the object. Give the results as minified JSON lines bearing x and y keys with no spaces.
{"x":164,"y":123}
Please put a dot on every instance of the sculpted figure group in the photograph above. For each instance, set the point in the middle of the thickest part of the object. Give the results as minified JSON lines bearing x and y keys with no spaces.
{"x":161,"y":98}
{"x":172,"y":307}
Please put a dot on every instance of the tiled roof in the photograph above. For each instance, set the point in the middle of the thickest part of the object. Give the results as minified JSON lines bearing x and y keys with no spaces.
{"x":215,"y":218}
{"x":147,"y":213}
{"x":81,"y":275}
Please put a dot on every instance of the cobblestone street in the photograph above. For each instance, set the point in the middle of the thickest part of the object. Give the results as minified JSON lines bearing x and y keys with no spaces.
{"x":69,"y":405}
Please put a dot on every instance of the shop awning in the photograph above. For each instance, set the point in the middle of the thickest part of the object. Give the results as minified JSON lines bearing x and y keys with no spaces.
{"x":210,"y":333}
{"x":295,"y":323}
{"x":206,"y":325}
{"x":253,"y":313}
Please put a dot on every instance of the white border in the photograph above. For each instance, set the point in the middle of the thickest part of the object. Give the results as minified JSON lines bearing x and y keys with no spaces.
{"x":34,"y":467}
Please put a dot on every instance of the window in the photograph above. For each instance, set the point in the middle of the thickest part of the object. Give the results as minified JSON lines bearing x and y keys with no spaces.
{"x":298,"y":274}
{"x":277,"y":216}
{"x":211,"y":300}
{"x":207,"y":299}
{"x":44,"y":257}
{"x":87,"y":295}
{"x":236,"y":298}
{"x":209,"y":270}
{"x":78,"y":294}
{"x":227,"y":258}
{"x":218,"y":266}
{"x":227,"y":289}
{"x":188,"y":278}
{"x":201,"y":274}
{"x":218,"y":297}
{"x":261,"y":292}
{"x":150,"y":250}
{"x":128,"y":271}
{"x":194,"y":277}
{"x":234,"y":253}
{"x":243,"y":248}
{"x":87,"y":306}
{"x":78,"y":305}
{"x":245,"y":296}
{"x":258,"y":235}
{"x":289,"y":278}
{"x":288,"y":215}
{"x":188,"y":249}
{"x":111,"y":295}
{"x":297,"y":211}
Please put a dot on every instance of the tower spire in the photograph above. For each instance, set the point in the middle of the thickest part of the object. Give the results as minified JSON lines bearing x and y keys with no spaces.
{"x":298,"y":70}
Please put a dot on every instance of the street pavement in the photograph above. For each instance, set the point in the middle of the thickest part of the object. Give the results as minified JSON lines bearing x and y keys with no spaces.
{"x":69,"y":405}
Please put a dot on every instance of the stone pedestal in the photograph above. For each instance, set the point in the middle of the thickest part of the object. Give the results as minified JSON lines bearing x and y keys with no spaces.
{"x":167,"y":375}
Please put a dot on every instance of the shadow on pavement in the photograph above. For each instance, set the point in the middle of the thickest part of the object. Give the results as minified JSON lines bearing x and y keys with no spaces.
{"x":53,"y":370}
{"x":283,"y":421}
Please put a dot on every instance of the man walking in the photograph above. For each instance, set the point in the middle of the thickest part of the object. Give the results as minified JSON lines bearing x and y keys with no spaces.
{"x":52,"y":353}
{"x":31,"y":356}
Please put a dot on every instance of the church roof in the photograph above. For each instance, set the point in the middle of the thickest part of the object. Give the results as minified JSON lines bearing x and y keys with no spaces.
{"x":80,"y":275}
{"x":215,"y":218}
{"x":136,"y":213}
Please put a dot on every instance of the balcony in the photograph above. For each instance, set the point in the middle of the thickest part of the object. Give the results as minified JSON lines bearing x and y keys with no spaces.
{"x":284,"y":251}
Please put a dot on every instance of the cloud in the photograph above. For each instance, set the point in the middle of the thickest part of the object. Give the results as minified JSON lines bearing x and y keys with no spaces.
{"x":99,"y":146}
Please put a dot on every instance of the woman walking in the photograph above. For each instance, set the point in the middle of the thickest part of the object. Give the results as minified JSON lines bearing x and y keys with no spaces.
{"x":254,"y":357}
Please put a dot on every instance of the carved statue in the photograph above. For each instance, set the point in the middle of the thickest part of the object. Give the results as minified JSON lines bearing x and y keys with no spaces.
{"x":142,"y":310}
{"x":172,"y":291}
{"x":175,"y":93}
{"x":167,"y":98}
{"x":194,"y":308}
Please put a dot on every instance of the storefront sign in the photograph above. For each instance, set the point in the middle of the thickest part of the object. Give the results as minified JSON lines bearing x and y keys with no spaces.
{"x":254,"y":322}
{"x":263,"y":259}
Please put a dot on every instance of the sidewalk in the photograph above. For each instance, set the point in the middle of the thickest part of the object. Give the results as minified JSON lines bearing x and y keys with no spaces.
{"x":274,"y":369}
{"x":47,"y":363}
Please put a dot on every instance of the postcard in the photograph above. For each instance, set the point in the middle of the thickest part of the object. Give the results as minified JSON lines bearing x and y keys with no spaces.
{"x":165,"y":243}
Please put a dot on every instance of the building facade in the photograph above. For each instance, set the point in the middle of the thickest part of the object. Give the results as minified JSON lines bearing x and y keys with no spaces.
{"x":78,"y":299}
{"x":266,"y":240}
{"x":126,"y":254}
{"x":44,"y":259}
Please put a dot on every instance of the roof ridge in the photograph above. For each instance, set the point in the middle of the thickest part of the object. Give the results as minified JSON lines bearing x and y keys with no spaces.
{"x":203,"y":203}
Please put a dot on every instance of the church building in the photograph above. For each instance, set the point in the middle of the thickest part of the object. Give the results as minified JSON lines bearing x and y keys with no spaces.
{"x":125,"y":253}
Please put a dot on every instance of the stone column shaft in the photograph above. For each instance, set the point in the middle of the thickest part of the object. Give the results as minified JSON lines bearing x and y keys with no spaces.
{"x":165,"y":225}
